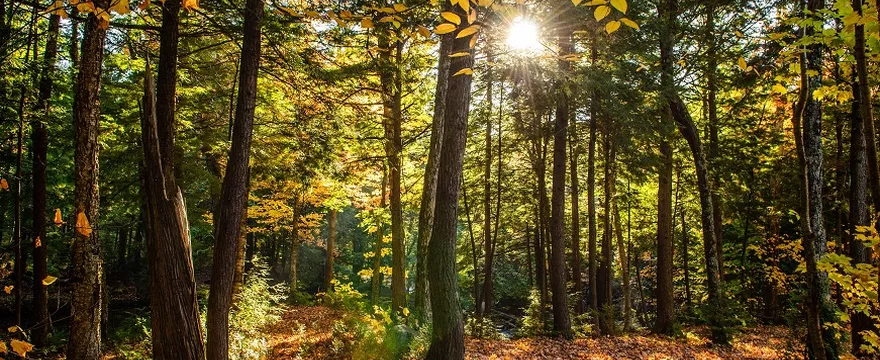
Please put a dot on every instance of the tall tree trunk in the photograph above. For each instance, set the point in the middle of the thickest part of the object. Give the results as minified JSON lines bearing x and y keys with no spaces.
{"x":377,"y":252}
{"x":331,"y":250}
{"x":429,"y":189}
{"x":295,"y":241}
{"x":234,"y":194}
{"x":865,"y":109}
{"x":40,"y":140}
{"x":664,"y":323}
{"x":561,"y":321}
{"x":605,"y":294}
{"x":591,"y":191}
{"x":686,"y":263}
{"x":87,"y":264}
{"x":540,"y":252}
{"x":486,"y":293}
{"x":712,"y":89}
{"x":623,"y":254}
{"x":448,"y":338}
{"x":808,"y":141}
{"x":858,"y":208}
{"x":176,"y":327}
{"x":241,"y":258}
{"x":575,"y":218}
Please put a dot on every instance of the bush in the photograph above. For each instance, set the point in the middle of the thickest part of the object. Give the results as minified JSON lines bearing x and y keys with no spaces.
{"x":483,"y":328}
{"x":256,"y":305}
{"x":533,"y":323}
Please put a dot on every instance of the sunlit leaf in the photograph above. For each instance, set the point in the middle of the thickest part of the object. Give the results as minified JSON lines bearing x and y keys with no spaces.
{"x":620,"y":5}
{"x":468,"y":31}
{"x":58,"y":221}
{"x":20,"y":347}
{"x":120,"y":7}
{"x":37,"y":242}
{"x":601,"y":12}
{"x":460,"y":54}
{"x":82,"y":225}
{"x":8,"y":289}
{"x":366,"y":23}
{"x":465,"y":71}
{"x":4,"y":185}
{"x":424,"y":31}
{"x":629,"y":23}
{"x":190,"y":4}
{"x":49,"y":279}
{"x":451,"y":17}
{"x":742,"y":64}
{"x":576,"y":2}
{"x":399,"y":7}
{"x":444,"y":28}
{"x":612,"y":26}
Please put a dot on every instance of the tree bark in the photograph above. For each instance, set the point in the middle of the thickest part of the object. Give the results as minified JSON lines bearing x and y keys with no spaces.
{"x":429,"y":189}
{"x":234,"y":194}
{"x":623,"y":254}
{"x":665,"y":320}
{"x":485,"y":299}
{"x":858,"y":207}
{"x":591,"y":192}
{"x":605,"y":294}
{"x":87,"y":263}
{"x":176,"y":328}
{"x":447,"y":341}
{"x":331,"y":250}
{"x":713,"y":155}
{"x":576,"y":260}
{"x":40,"y":140}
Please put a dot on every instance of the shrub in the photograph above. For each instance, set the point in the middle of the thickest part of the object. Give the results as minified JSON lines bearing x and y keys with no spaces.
{"x":256,"y":305}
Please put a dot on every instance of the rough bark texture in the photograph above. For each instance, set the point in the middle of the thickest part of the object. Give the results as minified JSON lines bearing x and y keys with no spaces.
{"x":591,"y":193}
{"x":576,"y":259}
{"x":561,"y":321}
{"x":866,"y":109}
{"x":331,"y":250}
{"x":40,"y":140}
{"x":605,"y":295}
{"x":87,"y":264}
{"x":176,"y":328}
{"x":858,"y":208}
{"x":429,"y":188}
{"x":447,"y":342}
{"x":234,"y":194}
{"x":665,"y":321}
{"x":712,"y":105}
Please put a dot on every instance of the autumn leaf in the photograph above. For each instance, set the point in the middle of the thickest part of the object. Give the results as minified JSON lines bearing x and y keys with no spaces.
{"x":3,"y":349}
{"x":120,"y":7}
{"x":484,"y":3}
{"x":629,"y":23}
{"x":424,"y":31}
{"x":612,"y":26}
{"x":37,"y":242}
{"x":58,"y":220}
{"x":20,"y":347}
{"x":601,"y":12}
{"x":460,"y":54}
{"x":742,"y":64}
{"x":451,"y":17}
{"x":49,"y":279}
{"x":465,"y":71}
{"x":4,"y":185}
{"x":444,"y":28}
{"x":85,"y":7}
{"x":190,"y":4}
{"x":366,"y":23}
{"x":82,"y":225}
{"x":468,"y":31}
{"x":620,"y":5}
{"x":8,"y":289}
{"x":57,"y":8}
{"x":576,"y":2}
{"x":144,"y":4}
{"x":399,"y":7}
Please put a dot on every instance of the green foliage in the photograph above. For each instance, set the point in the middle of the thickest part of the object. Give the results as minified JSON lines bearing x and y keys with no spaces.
{"x":256,"y":306}
{"x":482,"y":328}
{"x":533,"y":323}
{"x":344,"y":296}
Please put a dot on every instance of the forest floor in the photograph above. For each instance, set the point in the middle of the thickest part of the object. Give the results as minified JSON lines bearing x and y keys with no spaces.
{"x":314,"y":333}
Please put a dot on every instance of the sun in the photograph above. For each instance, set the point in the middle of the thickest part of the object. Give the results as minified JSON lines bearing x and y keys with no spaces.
{"x":522,"y":35}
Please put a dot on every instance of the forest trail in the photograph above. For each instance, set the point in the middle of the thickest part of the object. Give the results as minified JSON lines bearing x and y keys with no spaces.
{"x":314,"y":332}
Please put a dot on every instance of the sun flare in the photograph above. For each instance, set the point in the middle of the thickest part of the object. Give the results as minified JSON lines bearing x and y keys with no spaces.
{"x":522,"y":35}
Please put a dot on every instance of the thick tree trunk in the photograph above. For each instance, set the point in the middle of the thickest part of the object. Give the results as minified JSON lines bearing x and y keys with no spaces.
{"x":174,"y":309}
{"x":540,"y":168}
{"x":234,"y":194}
{"x":866,"y":109}
{"x":429,"y":189}
{"x":605,"y":294}
{"x":331,"y":250}
{"x":87,"y":265}
{"x":244,"y":248}
{"x":665,"y":320}
{"x":447,"y":342}
{"x":40,"y":140}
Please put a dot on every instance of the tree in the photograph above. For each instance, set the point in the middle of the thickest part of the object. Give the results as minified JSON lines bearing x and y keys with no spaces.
{"x":447,"y":341}
{"x":86,"y":277}
{"x":331,"y":250}
{"x":234,"y":195}
{"x":174,"y":312}
{"x":40,"y":139}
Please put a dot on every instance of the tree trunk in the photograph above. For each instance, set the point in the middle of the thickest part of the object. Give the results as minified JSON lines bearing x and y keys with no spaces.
{"x":377,"y":253}
{"x":575,"y":219}
{"x":294,"y":242}
{"x":486,"y":294}
{"x":623,"y":254}
{"x":712,"y":89}
{"x":244,"y":248}
{"x":429,"y":189}
{"x":448,"y":338}
{"x":331,"y":250}
{"x":234,"y":194}
{"x":591,"y":192}
{"x":87,"y":264}
{"x":858,"y":207}
{"x":40,"y":140}
{"x":665,"y":320}
{"x":686,"y":264}
{"x":176,"y":328}
{"x":605,"y":294}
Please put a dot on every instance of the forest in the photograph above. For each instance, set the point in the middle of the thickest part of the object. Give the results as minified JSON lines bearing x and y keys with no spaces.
{"x":433,"y":179}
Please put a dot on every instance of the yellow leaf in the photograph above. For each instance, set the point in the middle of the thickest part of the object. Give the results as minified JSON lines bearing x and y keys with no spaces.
{"x":49,"y":279}
{"x":85,"y":7}
{"x":473,"y":42}
{"x":612,"y":26}
{"x":451,"y":17}
{"x":779,"y":89}
{"x":58,"y":220}
{"x":742,"y":64}
{"x":460,"y":54}
{"x":8,"y":289}
{"x":597,"y":2}
{"x":465,"y":5}
{"x":472,"y":16}
{"x":576,"y":2}
{"x":465,"y":71}
{"x":620,"y":5}
{"x":601,"y":12}
{"x":386,"y":19}
{"x":190,"y":4}
{"x":345,"y":14}
{"x":37,"y":242}
{"x":366,"y":23}
{"x":120,"y":7}
{"x":312,"y":14}
{"x":484,"y":3}
{"x":629,"y":23}
{"x":3,"y":184}
{"x":13,"y":329}
{"x":424,"y":31}
{"x":399,"y":7}
{"x":20,"y":347}
{"x":103,"y":18}
{"x":3,"y":349}
{"x":468,"y":31}
{"x":82,"y":225}
{"x":387,"y":10}
{"x":57,"y":8}
{"x":444,"y":29}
